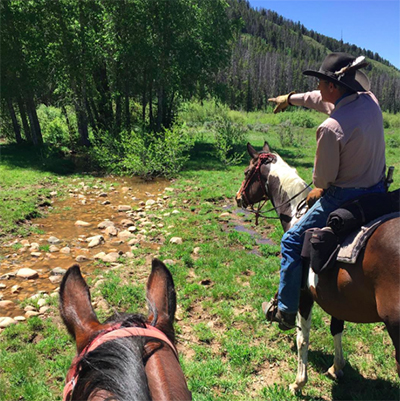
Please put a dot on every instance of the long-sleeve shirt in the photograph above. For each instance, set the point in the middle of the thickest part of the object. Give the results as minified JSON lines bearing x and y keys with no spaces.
{"x":350,"y":142}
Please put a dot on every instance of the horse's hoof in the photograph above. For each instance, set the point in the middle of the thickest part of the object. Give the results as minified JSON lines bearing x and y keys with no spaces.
{"x":334,"y":375}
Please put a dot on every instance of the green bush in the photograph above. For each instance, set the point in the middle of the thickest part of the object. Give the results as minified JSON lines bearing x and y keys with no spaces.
{"x":392,"y":142}
{"x":391,"y":120}
{"x":195,"y":113}
{"x":227,"y":134}
{"x":144,"y":154}
{"x":54,"y":126}
{"x":299,"y":118}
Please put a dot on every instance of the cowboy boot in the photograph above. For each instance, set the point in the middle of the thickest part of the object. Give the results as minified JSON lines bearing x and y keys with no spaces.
{"x":286,"y":321}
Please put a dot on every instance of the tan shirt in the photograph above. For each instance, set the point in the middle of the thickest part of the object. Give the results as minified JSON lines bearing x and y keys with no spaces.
{"x":350,"y":143}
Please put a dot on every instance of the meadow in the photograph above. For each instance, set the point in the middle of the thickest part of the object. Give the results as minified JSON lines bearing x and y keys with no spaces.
{"x":227,"y":350}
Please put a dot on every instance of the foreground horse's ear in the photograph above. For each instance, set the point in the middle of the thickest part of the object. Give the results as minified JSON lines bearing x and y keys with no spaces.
{"x":252,"y":152}
{"x":161,"y":297}
{"x":76,"y":308}
{"x":266,"y":147}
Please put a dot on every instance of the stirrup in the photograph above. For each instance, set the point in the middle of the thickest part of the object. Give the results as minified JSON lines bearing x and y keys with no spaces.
{"x":272,"y":314}
{"x":270,"y":309}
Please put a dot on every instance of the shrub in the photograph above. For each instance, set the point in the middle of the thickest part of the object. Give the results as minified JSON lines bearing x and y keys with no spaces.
{"x":205,"y":113}
{"x":142,"y":153}
{"x":286,"y":134}
{"x":54,"y":126}
{"x":299,"y":118}
{"x":392,"y":142}
{"x":391,"y":120}
{"x":227,"y":134}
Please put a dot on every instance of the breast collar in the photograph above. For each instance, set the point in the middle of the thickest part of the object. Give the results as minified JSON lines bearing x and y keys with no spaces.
{"x":112,"y":333}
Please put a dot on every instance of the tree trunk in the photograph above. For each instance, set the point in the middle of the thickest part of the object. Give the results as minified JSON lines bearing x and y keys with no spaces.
{"x":36,"y":132}
{"x":82,"y":125}
{"x":25,"y":123}
{"x":118,"y":113}
{"x":105,"y":104}
{"x":144,"y":100}
{"x":151,"y":117}
{"x":127,"y":110}
{"x":71,"y":131}
{"x":17,"y":129}
{"x":160,"y":109}
{"x":91,"y":118}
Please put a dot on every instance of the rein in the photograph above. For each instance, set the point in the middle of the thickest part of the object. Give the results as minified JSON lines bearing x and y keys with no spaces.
{"x":265,"y":158}
{"x":110,"y":334}
{"x":299,"y":211}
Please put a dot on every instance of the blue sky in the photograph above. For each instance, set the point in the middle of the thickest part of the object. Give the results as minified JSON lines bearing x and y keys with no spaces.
{"x":369,"y":24}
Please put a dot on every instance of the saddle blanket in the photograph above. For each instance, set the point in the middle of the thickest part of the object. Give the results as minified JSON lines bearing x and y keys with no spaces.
{"x":354,"y":242}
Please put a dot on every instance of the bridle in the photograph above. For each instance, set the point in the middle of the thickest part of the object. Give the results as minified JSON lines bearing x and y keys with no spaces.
{"x":112,"y":333}
{"x":265,"y":158}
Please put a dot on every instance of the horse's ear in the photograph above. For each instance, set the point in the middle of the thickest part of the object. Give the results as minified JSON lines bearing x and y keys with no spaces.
{"x":266,"y":147}
{"x":76,"y":308}
{"x":252,"y":152}
{"x":161,"y":297}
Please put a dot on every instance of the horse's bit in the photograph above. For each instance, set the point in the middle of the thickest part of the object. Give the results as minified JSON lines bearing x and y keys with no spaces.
{"x":111,"y":333}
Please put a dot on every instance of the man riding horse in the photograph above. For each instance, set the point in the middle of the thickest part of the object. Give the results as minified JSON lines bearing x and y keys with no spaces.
{"x":349,"y":162}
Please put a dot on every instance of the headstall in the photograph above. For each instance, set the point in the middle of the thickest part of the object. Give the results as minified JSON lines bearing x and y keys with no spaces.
{"x":265,"y":158}
{"x":112,"y":333}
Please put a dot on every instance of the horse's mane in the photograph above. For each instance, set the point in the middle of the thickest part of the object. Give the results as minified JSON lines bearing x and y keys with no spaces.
{"x":290,"y":182}
{"x":116,"y":367}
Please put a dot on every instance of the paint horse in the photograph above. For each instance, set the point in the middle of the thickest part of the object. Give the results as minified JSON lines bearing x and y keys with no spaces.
{"x":128,"y":357}
{"x":366,"y":292}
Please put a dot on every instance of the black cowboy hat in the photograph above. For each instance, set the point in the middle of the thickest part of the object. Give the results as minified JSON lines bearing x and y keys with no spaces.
{"x":343,"y":69}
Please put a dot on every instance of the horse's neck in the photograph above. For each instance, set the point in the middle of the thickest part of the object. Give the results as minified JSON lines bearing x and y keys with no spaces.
{"x":283,"y":184}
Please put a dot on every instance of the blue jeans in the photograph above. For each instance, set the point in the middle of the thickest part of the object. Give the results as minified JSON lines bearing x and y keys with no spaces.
{"x":292,"y":241}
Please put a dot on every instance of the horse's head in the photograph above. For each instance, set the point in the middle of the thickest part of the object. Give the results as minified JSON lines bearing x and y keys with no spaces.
{"x":127,"y":357}
{"x":253,"y":188}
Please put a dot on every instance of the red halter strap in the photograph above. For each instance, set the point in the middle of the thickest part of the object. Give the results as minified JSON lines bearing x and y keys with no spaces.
{"x":112,"y":333}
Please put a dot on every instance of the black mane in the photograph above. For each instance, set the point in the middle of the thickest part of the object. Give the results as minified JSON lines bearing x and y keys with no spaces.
{"x":116,"y":366}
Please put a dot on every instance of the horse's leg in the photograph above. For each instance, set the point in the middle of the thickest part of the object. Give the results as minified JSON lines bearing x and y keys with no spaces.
{"x":303,"y":336}
{"x":394,"y":332}
{"x":335,"y":371}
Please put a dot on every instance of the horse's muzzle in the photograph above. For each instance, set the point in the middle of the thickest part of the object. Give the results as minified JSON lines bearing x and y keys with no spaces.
{"x":240,"y":201}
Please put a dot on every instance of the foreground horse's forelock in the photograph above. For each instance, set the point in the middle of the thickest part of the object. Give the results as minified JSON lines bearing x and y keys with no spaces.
{"x":366,"y":292}
{"x":128,"y":357}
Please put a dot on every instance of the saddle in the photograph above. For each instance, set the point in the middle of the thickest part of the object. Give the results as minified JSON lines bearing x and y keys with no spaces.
{"x":348,"y":229}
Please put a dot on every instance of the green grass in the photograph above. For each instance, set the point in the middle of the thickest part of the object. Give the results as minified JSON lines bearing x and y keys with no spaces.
{"x":26,"y":176}
{"x":228,"y":351}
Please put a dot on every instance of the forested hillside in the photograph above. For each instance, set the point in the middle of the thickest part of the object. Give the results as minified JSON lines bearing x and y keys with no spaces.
{"x":110,"y":66}
{"x":271,"y":52}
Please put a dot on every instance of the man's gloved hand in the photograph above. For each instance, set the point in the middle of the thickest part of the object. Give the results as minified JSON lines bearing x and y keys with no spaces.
{"x":282,"y":102}
{"x":314,"y":195}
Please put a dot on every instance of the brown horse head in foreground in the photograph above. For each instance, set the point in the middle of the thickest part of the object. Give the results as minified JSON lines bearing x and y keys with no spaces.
{"x":128,"y":357}
{"x":366,"y":292}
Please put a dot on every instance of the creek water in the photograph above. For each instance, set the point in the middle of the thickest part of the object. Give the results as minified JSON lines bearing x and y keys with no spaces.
{"x":92,"y":203}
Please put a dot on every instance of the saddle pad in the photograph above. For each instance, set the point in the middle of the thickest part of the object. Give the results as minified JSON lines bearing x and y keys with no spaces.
{"x":355,"y":241}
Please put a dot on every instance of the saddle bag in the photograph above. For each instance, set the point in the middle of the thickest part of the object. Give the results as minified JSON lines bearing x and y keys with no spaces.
{"x":355,"y":213}
{"x":320,"y":248}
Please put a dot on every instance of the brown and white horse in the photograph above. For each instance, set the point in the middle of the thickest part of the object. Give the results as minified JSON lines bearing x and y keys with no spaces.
{"x":366,"y":292}
{"x":128,"y":357}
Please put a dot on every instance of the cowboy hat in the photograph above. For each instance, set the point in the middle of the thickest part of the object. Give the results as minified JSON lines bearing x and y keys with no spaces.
{"x":343,"y":69}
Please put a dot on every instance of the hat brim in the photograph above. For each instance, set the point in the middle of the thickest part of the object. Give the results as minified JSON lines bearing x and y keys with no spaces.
{"x":360,"y":83}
